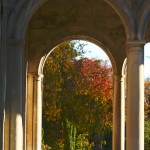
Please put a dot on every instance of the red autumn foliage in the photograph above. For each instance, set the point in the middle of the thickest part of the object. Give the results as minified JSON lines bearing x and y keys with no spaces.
{"x":97,"y":74}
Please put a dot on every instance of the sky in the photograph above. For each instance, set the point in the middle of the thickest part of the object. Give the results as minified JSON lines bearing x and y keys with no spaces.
{"x":94,"y":51}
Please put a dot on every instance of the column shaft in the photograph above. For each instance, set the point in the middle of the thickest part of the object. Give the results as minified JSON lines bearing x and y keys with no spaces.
{"x":118,"y":113}
{"x":135,"y":96}
{"x":29,"y":111}
{"x":3,"y":22}
{"x":37,"y":112}
{"x":14,"y":96}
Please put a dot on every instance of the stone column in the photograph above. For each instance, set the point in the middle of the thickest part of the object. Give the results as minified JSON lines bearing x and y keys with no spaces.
{"x":29,"y":112}
{"x":118,"y":113}
{"x":37,"y":112}
{"x":3,"y":22}
{"x":135,"y":95}
{"x":14,"y":95}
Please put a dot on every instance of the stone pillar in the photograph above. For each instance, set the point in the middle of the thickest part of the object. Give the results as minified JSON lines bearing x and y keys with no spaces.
{"x":3,"y":22}
{"x":14,"y":95}
{"x":37,"y":112}
{"x":135,"y":95}
{"x":29,"y":112}
{"x":34,"y":112}
{"x":118,"y":113}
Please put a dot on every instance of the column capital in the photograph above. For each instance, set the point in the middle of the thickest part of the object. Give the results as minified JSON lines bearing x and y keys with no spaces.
{"x":38,"y":77}
{"x":119,"y":77}
{"x":135,"y":45}
{"x":135,"y":42}
{"x":15,"y":42}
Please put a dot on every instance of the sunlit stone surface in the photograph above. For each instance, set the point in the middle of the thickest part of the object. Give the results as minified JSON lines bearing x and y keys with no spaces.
{"x":31,"y":29}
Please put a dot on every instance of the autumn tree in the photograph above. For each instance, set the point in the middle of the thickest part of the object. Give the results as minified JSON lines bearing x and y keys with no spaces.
{"x":147,"y":91}
{"x":77,"y":96}
{"x":147,"y":97}
{"x":56,"y":96}
{"x":93,"y":92}
{"x":147,"y":113}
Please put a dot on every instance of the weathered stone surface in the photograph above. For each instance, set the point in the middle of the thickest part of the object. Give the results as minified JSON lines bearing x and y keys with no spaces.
{"x":42,"y":25}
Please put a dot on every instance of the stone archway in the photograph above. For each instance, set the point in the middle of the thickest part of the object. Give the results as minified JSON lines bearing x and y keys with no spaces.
{"x":34,"y":99}
{"x":36,"y":52}
{"x":113,"y":23}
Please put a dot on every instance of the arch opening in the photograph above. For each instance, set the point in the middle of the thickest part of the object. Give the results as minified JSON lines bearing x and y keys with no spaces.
{"x":68,"y":112}
{"x":87,"y":42}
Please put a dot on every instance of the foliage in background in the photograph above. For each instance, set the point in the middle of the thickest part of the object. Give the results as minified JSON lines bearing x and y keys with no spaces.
{"x":147,"y":134}
{"x":147,"y":114}
{"x":77,"y":98}
{"x":72,"y":90}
